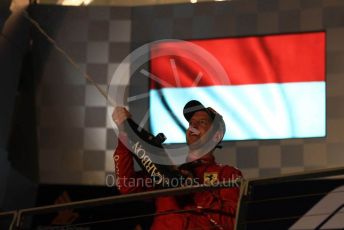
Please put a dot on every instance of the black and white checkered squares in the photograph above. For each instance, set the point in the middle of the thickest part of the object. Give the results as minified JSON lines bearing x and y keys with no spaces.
{"x":76,"y":137}
{"x":263,"y":17}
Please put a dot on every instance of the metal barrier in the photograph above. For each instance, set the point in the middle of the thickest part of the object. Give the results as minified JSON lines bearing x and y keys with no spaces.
{"x":280,"y":202}
{"x":118,"y":199}
{"x":11,"y":216}
{"x":247,"y":199}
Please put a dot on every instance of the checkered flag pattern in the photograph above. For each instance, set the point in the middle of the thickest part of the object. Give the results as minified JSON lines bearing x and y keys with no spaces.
{"x":76,"y":139}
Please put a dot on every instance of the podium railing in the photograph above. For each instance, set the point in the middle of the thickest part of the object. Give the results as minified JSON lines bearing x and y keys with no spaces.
{"x":21,"y":214}
{"x":252,"y":195}
{"x":279,"y":202}
{"x":8,"y":219}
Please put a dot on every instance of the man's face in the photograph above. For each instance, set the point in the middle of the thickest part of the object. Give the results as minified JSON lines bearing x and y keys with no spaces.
{"x":199,"y":124}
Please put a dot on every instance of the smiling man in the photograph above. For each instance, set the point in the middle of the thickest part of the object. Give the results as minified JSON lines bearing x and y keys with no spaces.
{"x":206,"y":129}
{"x":202,"y":210}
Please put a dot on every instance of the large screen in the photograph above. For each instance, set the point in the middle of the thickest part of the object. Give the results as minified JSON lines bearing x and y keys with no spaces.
{"x":265,"y":87}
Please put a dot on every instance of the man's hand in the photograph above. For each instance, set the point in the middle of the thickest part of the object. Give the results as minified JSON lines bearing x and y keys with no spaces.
{"x":119,"y":116}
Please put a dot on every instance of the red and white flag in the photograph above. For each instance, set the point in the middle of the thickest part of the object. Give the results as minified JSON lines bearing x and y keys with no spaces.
{"x":275,"y":86}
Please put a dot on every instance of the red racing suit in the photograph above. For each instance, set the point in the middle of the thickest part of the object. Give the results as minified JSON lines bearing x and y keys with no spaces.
{"x":202,"y":210}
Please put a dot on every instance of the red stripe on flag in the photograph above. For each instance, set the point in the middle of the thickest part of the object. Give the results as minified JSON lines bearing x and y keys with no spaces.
{"x":247,"y":60}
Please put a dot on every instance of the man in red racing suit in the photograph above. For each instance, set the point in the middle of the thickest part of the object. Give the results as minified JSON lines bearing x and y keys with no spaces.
{"x":214,"y":209}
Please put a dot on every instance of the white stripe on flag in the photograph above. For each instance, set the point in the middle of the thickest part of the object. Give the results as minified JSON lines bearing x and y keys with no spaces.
{"x":257,"y":111}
